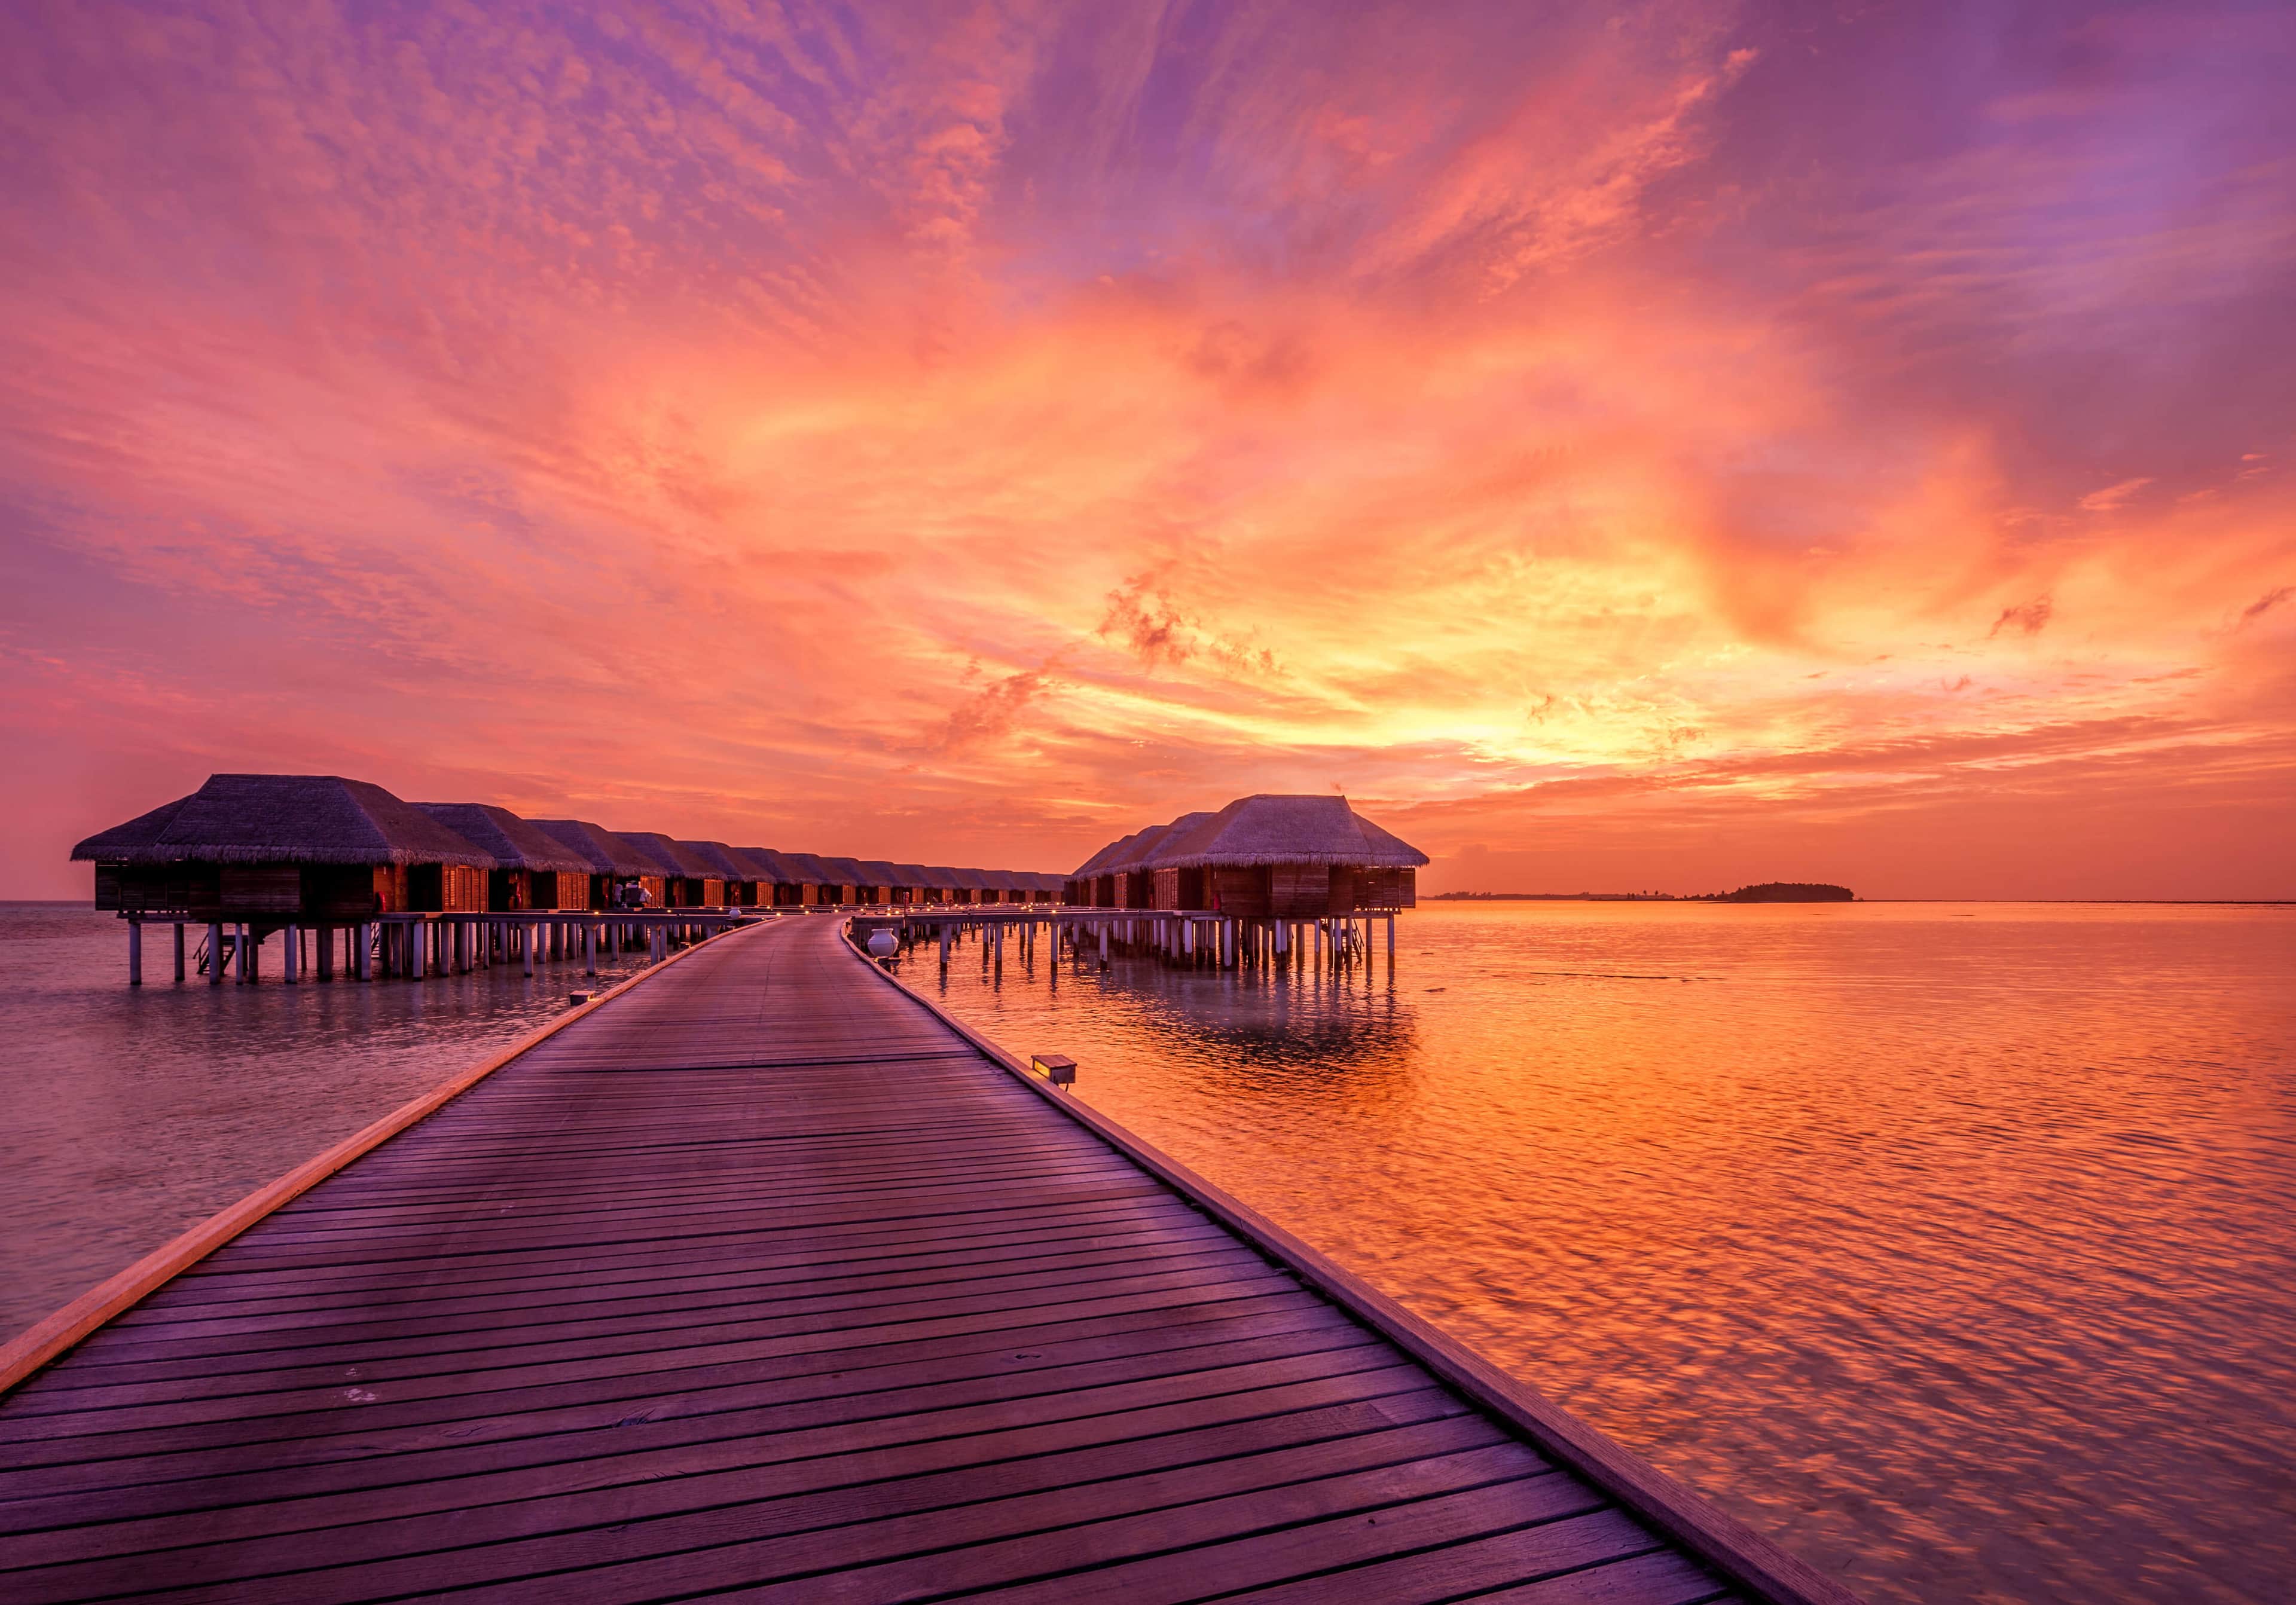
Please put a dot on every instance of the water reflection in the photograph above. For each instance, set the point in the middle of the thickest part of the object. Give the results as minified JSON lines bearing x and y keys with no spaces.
{"x":1953,"y":1244}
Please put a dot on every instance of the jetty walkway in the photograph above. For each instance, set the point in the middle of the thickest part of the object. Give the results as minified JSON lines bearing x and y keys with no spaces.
{"x":763,"y":1278}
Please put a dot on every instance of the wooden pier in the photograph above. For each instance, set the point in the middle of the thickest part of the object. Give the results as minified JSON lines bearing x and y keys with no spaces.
{"x":1188,"y":938}
{"x":761,"y":1276}
{"x":414,"y":947}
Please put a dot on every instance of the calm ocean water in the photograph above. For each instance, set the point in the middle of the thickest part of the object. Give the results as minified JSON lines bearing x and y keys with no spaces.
{"x":1955,"y":1245}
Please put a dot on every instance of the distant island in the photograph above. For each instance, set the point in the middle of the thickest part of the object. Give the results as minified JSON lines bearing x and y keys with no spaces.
{"x":1786,"y":891}
{"x":1768,"y":891}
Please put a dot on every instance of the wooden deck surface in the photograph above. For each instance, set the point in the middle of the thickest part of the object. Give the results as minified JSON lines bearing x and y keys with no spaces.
{"x":761,"y":1279}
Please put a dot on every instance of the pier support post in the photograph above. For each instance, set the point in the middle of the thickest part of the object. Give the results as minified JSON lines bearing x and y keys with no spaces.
{"x":322,"y":949}
{"x":589,"y":947}
{"x":179,"y":952}
{"x":215,"y":953}
{"x":291,"y":962}
{"x":362,"y":964}
{"x":134,"y":952}
{"x":242,"y":954}
{"x":1390,"y":947}
{"x":944,"y":947}
{"x":530,"y":931}
{"x":1104,"y":943}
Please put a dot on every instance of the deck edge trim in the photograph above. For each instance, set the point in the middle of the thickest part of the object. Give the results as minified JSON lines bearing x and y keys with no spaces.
{"x":1745,"y":1556}
{"x":50,"y":1337}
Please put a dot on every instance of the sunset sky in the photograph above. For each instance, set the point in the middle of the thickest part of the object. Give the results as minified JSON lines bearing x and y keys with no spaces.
{"x":1647,"y":445}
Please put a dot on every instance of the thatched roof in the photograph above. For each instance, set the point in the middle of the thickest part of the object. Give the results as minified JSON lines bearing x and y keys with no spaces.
{"x":771,"y":867}
{"x":725,"y":863}
{"x":283,"y":819}
{"x":912,"y":875}
{"x":1285,"y":830}
{"x":514,"y":844}
{"x":604,"y":852}
{"x":669,"y":858}
{"x":844,"y":871}
{"x":1103,"y":862}
{"x":877,"y":871}
{"x":118,"y":844}
{"x":809,"y":870}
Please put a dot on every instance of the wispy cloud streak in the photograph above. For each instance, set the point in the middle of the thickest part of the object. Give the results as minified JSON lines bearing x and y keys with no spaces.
{"x":962,"y":430}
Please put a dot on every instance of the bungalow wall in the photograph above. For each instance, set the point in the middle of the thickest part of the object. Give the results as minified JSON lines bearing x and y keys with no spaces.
{"x":1356,"y":889}
{"x":557,"y":888}
{"x":1239,"y":891}
{"x":456,"y":888}
{"x":1179,"y":888}
{"x":159,"y":888}
{"x":787,"y":895}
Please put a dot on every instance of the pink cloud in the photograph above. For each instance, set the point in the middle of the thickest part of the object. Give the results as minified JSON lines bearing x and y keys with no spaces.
{"x":961,"y":432}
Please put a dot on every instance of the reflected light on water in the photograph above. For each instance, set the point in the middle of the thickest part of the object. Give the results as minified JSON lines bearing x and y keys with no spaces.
{"x":1951,"y":1244}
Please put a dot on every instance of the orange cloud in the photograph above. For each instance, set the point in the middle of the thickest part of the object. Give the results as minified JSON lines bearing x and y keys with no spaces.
{"x":960,"y":434}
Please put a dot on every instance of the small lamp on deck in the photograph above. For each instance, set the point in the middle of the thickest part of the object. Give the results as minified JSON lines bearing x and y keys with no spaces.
{"x":1058,"y":1068}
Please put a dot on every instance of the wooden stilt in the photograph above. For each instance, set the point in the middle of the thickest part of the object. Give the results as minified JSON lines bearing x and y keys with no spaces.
{"x":179,"y":952}
{"x":134,"y":952}
{"x":291,"y":959}
{"x":589,"y":947}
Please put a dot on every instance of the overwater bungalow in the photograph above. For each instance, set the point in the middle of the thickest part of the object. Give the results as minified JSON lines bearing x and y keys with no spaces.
{"x":777,"y":882}
{"x":531,"y":871}
{"x":1284,"y":858}
{"x":817,"y":886}
{"x":1096,"y":882}
{"x":737,"y":877}
{"x":686,"y":881}
{"x":614,"y":864}
{"x":271,"y":852}
{"x":852,"y":882}
{"x":939,"y":882}
{"x":883,"y":879}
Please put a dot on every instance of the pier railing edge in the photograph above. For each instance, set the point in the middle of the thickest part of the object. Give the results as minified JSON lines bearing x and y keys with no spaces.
{"x":53,"y":1336}
{"x":1745,"y":1556}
